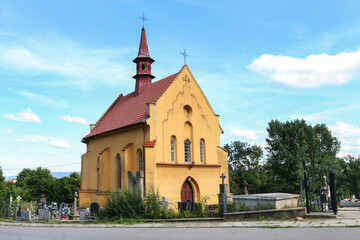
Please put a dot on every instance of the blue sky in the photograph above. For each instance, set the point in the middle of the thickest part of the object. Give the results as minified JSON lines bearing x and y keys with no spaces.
{"x":62,"y":63}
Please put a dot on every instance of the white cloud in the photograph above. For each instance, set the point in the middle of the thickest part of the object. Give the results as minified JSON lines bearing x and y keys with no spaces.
{"x":81,"y":120}
{"x":25,"y":115}
{"x":44,"y":99}
{"x":349,"y":136}
{"x":325,"y":114}
{"x":246,"y":134}
{"x":82,"y":66}
{"x":58,"y":143}
{"x":51,"y":141}
{"x":311,"y":72}
{"x":342,"y":130}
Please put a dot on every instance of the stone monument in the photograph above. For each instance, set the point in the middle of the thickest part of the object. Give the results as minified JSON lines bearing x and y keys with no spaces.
{"x":223,"y":191}
{"x":74,"y":213}
{"x":246,"y":192}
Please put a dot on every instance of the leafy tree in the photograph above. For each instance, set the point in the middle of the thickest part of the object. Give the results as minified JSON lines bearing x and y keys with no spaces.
{"x":39,"y":184}
{"x":65,"y":187}
{"x":295,"y":147}
{"x":74,"y":183}
{"x":2,"y":186}
{"x":348,"y":178}
{"x":25,"y":173}
{"x":244,"y":166}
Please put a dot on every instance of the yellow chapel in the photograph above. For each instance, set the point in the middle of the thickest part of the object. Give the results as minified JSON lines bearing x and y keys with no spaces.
{"x":164,"y":135}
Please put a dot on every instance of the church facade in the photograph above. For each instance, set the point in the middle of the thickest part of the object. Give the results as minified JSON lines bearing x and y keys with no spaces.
{"x":164,"y":135}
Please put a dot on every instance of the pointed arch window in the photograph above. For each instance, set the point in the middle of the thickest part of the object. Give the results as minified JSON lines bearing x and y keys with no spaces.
{"x":187,"y":147}
{"x":141,"y":161}
{"x":118,"y":171}
{"x":202,"y":150}
{"x":173,"y":148}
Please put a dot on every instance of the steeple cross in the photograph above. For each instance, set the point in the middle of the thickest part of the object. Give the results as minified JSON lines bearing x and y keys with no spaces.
{"x":185,"y":55}
{"x":144,"y":19}
{"x":223,"y":178}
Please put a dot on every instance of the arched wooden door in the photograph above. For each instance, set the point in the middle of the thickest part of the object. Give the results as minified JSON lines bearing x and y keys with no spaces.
{"x":187,"y":192}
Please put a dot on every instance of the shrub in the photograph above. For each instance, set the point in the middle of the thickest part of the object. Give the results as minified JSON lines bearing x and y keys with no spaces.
{"x":124,"y":204}
{"x":153,"y":208}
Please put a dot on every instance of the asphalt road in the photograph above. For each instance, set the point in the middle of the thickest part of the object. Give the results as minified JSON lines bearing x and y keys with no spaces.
{"x":39,"y":233}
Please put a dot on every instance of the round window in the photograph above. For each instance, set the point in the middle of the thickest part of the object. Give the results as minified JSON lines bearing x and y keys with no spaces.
{"x":187,"y":110}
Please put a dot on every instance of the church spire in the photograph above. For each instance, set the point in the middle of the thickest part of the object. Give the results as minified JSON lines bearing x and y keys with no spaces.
{"x":143,"y":65}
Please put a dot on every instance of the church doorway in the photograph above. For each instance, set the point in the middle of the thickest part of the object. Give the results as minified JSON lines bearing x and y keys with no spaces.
{"x":187,"y":192}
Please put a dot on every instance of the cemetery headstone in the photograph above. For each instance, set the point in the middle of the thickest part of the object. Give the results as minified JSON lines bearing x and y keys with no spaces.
{"x":132,"y":179}
{"x":183,"y":206}
{"x":66,"y":211}
{"x":94,"y":209}
{"x":140,"y":181}
{"x":222,"y":195}
{"x":44,"y":215}
{"x":165,"y":203}
{"x":82,"y":216}
{"x":25,"y":215}
{"x":61,"y":208}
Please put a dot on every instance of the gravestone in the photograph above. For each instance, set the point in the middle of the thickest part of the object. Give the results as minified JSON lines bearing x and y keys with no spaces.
{"x":18,"y":214}
{"x":223,"y":190}
{"x":61,"y":208}
{"x":140,"y":181}
{"x":83,"y":216}
{"x":66,"y":211}
{"x":132,"y":179}
{"x":44,"y":215}
{"x":25,"y":215}
{"x":183,"y":206}
{"x":164,"y":204}
{"x":94,"y":209}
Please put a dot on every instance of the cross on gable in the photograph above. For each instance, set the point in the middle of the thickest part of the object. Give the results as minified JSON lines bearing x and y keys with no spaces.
{"x":144,"y":19}
{"x":223,"y":178}
{"x":185,"y":55}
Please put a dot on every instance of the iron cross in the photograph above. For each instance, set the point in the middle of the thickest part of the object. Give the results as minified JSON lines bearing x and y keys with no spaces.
{"x":223,"y":178}
{"x":144,"y":19}
{"x":185,"y":55}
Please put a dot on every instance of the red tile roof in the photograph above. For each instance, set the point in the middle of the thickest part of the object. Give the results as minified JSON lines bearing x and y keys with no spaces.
{"x":130,"y":109}
{"x":150,"y":143}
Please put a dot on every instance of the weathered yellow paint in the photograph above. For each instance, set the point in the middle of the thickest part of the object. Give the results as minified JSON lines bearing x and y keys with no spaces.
{"x":167,"y":118}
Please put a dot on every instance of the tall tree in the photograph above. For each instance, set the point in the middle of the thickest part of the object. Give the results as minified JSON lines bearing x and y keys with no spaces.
{"x":25,"y":173}
{"x":244,"y":167}
{"x":295,"y":147}
{"x":348,"y":180}
{"x":39,"y":184}
{"x":2,"y":186}
{"x":65,"y":187}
